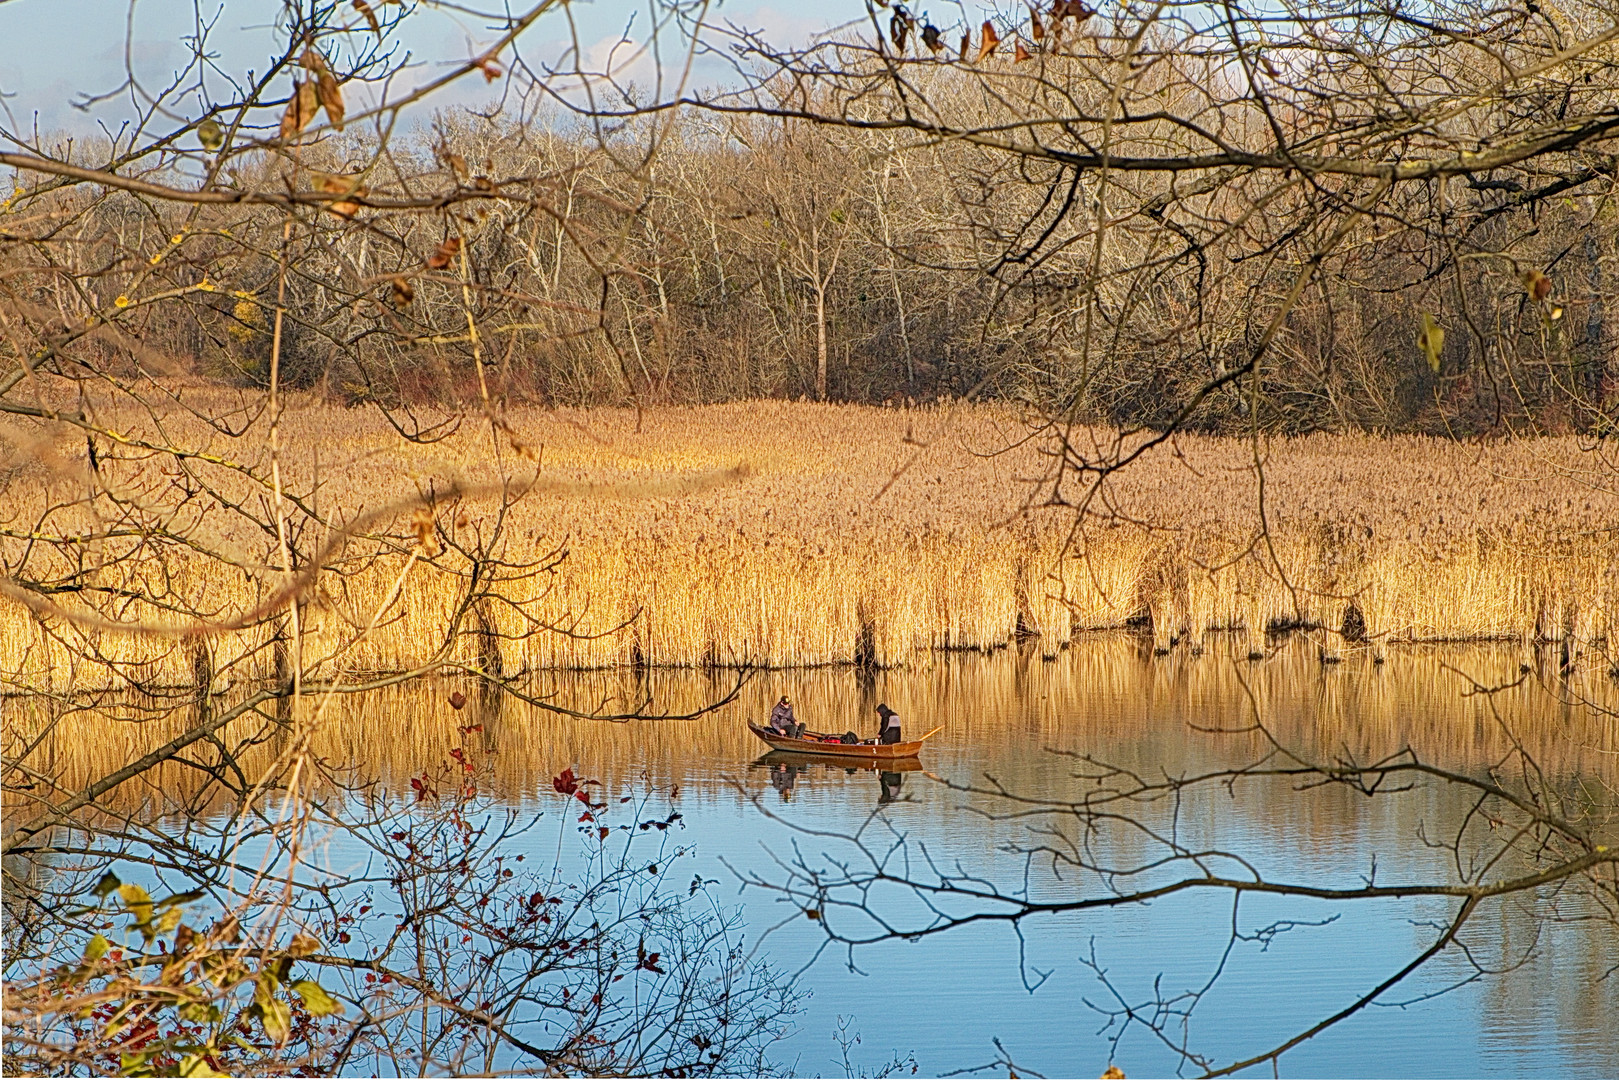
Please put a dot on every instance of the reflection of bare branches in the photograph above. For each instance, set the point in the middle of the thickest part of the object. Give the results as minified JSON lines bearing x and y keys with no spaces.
{"x":1126,"y":838}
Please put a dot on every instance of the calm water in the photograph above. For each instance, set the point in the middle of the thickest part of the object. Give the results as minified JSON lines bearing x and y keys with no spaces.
{"x":946,"y":999}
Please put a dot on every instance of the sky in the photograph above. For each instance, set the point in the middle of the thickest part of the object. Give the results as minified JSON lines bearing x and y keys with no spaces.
{"x":55,"y":52}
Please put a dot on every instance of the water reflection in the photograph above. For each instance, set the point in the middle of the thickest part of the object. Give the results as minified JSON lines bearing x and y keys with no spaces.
{"x":786,"y":769}
{"x":1003,"y":715}
{"x":1104,"y":692}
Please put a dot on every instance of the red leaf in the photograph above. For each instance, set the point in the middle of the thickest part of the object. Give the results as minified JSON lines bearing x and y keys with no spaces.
{"x":565,"y":782}
{"x":458,"y":701}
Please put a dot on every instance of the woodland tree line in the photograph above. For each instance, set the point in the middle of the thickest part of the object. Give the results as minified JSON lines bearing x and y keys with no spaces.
{"x":794,"y":240}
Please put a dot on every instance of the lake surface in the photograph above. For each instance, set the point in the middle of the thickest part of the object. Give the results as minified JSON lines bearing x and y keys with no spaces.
{"x":1014,"y":719}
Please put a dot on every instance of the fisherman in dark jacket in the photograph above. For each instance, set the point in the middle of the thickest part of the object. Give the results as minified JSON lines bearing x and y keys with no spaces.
{"x":889,"y":721}
{"x":781,"y":719}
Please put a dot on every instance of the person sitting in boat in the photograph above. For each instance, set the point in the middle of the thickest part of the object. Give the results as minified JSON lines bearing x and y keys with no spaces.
{"x":889,"y":725}
{"x":781,"y":719}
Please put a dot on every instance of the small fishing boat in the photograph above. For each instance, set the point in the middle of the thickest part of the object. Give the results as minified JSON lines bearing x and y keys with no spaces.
{"x":820,"y":743}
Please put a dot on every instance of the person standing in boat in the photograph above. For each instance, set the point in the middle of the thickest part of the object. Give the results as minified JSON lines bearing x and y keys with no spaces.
{"x":888,"y":720}
{"x":781,"y":719}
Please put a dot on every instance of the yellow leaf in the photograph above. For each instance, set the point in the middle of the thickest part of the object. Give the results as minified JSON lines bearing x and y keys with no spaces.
{"x":210,"y":135}
{"x":1431,"y":340}
{"x":200,"y":1012}
{"x":316,"y":999}
{"x":138,"y":901}
{"x":274,"y":1014}
{"x":197,"y":1065}
{"x":95,"y":949}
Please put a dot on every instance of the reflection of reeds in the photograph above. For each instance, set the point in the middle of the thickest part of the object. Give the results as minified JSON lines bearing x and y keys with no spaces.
{"x":814,"y":552}
{"x":1107,"y":695}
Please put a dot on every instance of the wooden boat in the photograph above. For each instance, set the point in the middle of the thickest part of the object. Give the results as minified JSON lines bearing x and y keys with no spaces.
{"x":833,"y":748}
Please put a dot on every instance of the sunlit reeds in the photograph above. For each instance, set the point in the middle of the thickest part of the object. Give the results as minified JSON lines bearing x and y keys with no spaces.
{"x":847,"y":540}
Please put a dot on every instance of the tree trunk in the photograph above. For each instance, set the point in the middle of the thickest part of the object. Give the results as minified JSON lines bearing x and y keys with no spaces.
{"x":820,"y":343}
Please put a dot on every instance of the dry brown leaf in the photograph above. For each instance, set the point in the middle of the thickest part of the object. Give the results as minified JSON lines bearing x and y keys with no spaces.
{"x":491,"y":70}
{"x":1113,"y":1073}
{"x":403,"y":292}
{"x":986,"y":47}
{"x":1020,"y":54}
{"x":370,"y":16}
{"x":446,"y":251}
{"x":301,"y":108}
{"x":303,"y":944}
{"x":341,"y":185}
{"x":421,"y":523}
{"x":1537,"y":285}
{"x":331,"y":96}
{"x":1036,"y":29}
{"x":966,"y":45}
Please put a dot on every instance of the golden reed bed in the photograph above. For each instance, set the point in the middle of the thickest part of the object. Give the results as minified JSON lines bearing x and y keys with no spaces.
{"x":862,"y":530}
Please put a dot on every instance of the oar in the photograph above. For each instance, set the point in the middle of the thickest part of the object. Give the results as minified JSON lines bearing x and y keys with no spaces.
{"x":935,"y":731}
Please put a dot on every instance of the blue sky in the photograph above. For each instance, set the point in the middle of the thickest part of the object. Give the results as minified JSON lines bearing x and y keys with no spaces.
{"x":56,"y":51}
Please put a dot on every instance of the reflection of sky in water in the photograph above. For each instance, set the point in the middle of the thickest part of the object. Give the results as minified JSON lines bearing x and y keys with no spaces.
{"x":946,"y":998}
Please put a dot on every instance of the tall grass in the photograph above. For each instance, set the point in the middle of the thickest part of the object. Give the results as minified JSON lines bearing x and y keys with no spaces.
{"x":879,"y":534}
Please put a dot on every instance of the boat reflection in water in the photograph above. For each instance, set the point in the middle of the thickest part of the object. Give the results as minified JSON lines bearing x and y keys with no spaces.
{"x":786,"y":769}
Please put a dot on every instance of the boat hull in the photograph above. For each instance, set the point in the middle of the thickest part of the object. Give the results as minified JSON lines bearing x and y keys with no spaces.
{"x":859,"y":751}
